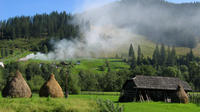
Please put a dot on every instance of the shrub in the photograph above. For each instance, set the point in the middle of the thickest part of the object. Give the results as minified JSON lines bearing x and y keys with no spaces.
{"x":36,"y":82}
{"x":109,"y":106}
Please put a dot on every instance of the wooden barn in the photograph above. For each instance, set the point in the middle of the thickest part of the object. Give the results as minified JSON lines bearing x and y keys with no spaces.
{"x":153,"y":88}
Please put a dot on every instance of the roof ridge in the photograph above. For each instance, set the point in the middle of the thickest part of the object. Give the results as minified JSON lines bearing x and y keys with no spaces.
{"x":159,"y":82}
{"x":156,"y":76}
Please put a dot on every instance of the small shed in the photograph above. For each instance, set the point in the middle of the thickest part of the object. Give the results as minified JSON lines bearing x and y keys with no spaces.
{"x":154,"y":88}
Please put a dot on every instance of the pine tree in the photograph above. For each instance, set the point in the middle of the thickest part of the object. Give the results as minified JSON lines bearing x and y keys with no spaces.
{"x":132,"y":58}
{"x":11,"y":51}
{"x":162,"y":58}
{"x":131,"y":51}
{"x":7,"y":52}
{"x":2,"y":53}
{"x":133,"y":62}
{"x":173,"y":56}
{"x":13,"y":35}
{"x":190,"y":55}
{"x":169,"y":60}
{"x":117,"y":56}
{"x":45,"y":49}
{"x":156,"y":56}
{"x":139,"y":57}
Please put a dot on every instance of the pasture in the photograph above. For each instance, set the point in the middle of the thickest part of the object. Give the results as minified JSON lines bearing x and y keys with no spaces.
{"x":86,"y":103}
{"x":98,"y":65}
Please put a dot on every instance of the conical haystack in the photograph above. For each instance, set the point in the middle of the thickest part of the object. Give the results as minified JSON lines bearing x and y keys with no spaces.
{"x":51,"y":88}
{"x":182,"y":95}
{"x":17,"y":87}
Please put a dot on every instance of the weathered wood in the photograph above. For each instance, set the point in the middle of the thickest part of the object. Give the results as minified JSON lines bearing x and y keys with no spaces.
{"x":152,"y":88}
{"x":147,"y":97}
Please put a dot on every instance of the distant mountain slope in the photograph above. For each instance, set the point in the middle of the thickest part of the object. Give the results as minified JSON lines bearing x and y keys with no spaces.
{"x":158,"y":20}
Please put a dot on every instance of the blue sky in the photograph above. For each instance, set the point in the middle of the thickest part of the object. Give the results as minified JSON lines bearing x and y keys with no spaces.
{"x":11,"y":8}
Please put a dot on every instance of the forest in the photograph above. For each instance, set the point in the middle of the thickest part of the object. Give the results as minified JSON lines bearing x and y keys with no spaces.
{"x":53,"y":25}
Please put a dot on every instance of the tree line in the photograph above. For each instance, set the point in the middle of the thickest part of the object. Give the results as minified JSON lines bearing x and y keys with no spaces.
{"x":4,"y":52}
{"x":57,"y":25}
{"x":37,"y":73}
{"x":165,"y":62}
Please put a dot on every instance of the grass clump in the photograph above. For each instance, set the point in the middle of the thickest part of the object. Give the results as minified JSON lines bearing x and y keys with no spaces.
{"x":109,"y":106}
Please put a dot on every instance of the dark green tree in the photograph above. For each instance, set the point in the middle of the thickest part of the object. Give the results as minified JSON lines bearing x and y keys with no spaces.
{"x":117,"y":56}
{"x":133,"y":61}
{"x":169,"y":57}
{"x":156,"y":56}
{"x":144,"y":70}
{"x":2,"y":52}
{"x":140,"y":56}
{"x":131,"y":51}
{"x":173,"y":56}
{"x":73,"y":84}
{"x":45,"y":49}
{"x":7,"y":52}
{"x":162,"y":58}
{"x":190,"y":55}
{"x":36,"y":83}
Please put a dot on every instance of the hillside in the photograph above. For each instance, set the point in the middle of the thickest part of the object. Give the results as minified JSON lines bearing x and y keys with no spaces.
{"x":158,"y":20}
{"x":22,"y":47}
{"x":120,"y":39}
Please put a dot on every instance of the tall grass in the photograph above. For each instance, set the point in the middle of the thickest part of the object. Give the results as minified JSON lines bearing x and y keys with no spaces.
{"x":109,"y":106}
{"x":89,"y":103}
{"x":195,"y":98}
{"x":36,"y":104}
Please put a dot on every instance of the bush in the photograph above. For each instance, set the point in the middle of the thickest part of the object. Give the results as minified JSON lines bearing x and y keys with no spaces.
{"x":73,"y":86}
{"x":36,"y":82}
{"x":144,"y":70}
{"x":63,"y":108}
{"x":109,"y":106}
{"x":2,"y":81}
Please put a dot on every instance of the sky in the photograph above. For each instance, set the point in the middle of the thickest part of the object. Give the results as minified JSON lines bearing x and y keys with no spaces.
{"x":11,"y":8}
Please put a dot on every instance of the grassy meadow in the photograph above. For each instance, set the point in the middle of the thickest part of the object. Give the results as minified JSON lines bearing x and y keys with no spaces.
{"x":86,"y":103}
{"x":94,"y":65}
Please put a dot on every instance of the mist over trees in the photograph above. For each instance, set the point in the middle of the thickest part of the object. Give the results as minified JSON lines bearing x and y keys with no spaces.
{"x":157,"y":20}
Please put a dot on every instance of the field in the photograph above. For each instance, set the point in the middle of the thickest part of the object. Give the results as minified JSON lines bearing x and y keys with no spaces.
{"x":94,"y":65}
{"x":86,"y":103}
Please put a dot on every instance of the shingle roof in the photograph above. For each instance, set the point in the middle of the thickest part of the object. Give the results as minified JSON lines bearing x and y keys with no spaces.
{"x":157,"y":82}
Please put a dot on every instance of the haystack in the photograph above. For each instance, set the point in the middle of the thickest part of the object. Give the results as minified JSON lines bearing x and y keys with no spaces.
{"x":51,"y":88}
{"x":182,"y":95}
{"x":17,"y":87}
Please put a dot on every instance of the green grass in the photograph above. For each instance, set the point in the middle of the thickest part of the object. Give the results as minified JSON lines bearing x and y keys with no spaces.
{"x":160,"y":107}
{"x":16,"y":56}
{"x":93,"y":65}
{"x":145,"y":106}
{"x":99,"y":93}
{"x":36,"y":104}
{"x":86,"y":103}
